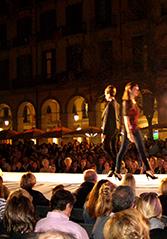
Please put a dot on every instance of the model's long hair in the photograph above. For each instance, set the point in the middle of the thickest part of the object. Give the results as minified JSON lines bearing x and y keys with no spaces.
{"x":128,"y":87}
{"x":19,"y":215}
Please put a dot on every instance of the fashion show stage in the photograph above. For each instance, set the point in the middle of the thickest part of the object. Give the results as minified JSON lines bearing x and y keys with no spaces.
{"x":46,"y":181}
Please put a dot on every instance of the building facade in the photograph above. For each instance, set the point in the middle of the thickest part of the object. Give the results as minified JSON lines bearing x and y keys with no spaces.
{"x":57,"y":56}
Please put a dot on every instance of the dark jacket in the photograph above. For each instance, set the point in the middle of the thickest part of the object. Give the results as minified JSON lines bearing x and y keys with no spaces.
{"x":109,"y":119}
{"x":81,"y":193}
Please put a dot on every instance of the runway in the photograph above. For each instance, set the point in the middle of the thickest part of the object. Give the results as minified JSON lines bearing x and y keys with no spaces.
{"x":46,"y":181}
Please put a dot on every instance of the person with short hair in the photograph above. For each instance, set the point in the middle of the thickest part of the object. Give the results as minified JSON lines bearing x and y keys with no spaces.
{"x":110,"y":125}
{"x":123,"y":197}
{"x":90,"y":178}
{"x":27,"y":182}
{"x":62,"y":202}
{"x":127,"y":224}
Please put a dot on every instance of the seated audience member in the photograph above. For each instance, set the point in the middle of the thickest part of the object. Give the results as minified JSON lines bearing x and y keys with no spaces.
{"x":122,"y":198}
{"x":163,"y":196}
{"x":126,"y":224}
{"x":57,"y":187}
{"x":45,"y":166}
{"x":62,"y":202}
{"x":150,"y":206}
{"x":27,"y":182}
{"x":103,"y":209}
{"x":4,"y":193}
{"x":19,"y":215}
{"x":90,"y":205}
{"x":90,"y":178}
{"x":67,"y":165}
{"x":129,"y":180}
{"x":55,"y":235}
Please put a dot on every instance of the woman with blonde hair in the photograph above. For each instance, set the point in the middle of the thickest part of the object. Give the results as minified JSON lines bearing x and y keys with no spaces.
{"x":90,"y":205}
{"x":163,"y":196}
{"x":150,"y":206}
{"x":127,"y":224}
{"x":129,"y":180}
{"x":103,"y":209}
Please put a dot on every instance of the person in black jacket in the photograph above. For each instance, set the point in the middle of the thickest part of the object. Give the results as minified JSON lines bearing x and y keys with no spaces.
{"x":27,"y":182}
{"x":90,"y":178}
{"x":110,"y":125}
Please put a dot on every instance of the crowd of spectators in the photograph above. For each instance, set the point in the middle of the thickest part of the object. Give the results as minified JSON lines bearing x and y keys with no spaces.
{"x":108,"y":211}
{"x":75,"y":157}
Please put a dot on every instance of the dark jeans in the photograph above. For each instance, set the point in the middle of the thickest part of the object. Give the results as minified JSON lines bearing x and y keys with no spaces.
{"x":110,"y":147}
{"x":140,"y":148}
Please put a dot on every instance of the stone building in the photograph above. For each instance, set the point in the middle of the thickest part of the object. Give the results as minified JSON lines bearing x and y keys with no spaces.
{"x":57,"y":56}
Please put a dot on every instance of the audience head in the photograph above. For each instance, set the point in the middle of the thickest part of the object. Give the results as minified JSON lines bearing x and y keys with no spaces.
{"x":61,"y":200}
{"x":90,"y":175}
{"x":28,"y":180}
{"x":55,"y":235}
{"x":103,"y":206}
{"x":163,"y":186}
{"x":19,"y":214}
{"x":57,"y":187}
{"x":129,"y":180}
{"x":123,"y":198}
{"x":127,"y":224}
{"x":149,"y":205}
{"x":4,"y":191}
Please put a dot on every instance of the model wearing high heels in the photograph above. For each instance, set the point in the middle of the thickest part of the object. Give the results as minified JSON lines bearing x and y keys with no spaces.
{"x":131,"y":132}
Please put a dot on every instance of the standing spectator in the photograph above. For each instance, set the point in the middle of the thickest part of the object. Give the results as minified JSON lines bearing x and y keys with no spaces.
{"x":4,"y":193}
{"x":62,"y":202}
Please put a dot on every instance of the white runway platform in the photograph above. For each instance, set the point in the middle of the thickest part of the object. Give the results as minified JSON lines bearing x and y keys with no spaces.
{"x":46,"y":181}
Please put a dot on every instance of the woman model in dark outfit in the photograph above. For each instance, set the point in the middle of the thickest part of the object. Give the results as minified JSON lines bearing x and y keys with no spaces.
{"x":131,"y":133}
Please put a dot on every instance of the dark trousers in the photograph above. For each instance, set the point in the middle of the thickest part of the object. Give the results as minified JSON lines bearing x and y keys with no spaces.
{"x":140,"y":148}
{"x":110,"y":148}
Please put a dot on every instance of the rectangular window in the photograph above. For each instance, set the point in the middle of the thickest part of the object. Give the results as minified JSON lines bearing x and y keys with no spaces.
{"x":106,"y":55}
{"x":74,"y":22}
{"x":49,"y":64}
{"x":3,"y":36}
{"x":4,"y":74}
{"x":103,"y":12}
{"x":137,"y":9}
{"x":24,"y":30}
{"x":24,"y":70}
{"x":48,"y":24}
{"x":74,"y":58}
{"x":138,"y":53}
{"x":163,"y":9}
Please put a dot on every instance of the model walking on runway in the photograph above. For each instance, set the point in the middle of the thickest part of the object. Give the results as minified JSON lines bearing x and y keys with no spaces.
{"x":131,"y":132}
